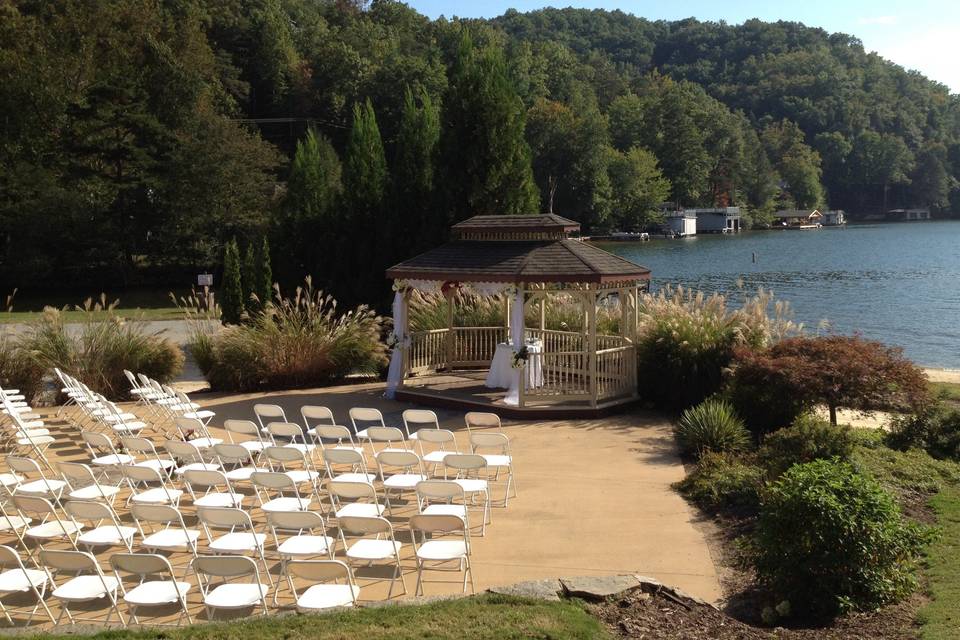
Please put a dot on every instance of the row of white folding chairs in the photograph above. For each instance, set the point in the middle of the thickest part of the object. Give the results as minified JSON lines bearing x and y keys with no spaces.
{"x":163,"y":402}
{"x":94,"y":411}
{"x":151,"y":582}
{"x":22,"y":430}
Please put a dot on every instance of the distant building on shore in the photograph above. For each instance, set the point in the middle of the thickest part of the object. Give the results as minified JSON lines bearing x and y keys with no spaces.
{"x":798,"y":218}
{"x":717,"y":219}
{"x":909,"y":214}
{"x":681,"y":223}
{"x":833,"y":218}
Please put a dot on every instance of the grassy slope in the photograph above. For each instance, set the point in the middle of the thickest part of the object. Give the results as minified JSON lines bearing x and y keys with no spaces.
{"x":485,"y":617}
{"x":916,"y":473}
{"x":949,"y":391}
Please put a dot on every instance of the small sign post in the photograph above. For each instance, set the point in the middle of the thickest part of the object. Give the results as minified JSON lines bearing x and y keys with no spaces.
{"x":204,"y":279}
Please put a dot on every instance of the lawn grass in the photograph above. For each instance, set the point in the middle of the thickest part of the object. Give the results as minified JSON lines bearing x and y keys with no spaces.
{"x":940,"y":619}
{"x":476,"y":618}
{"x":161,"y":313}
{"x":948,"y":391}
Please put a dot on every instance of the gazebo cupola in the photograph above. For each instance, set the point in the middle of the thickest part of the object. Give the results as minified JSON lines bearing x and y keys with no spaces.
{"x":528,"y":260}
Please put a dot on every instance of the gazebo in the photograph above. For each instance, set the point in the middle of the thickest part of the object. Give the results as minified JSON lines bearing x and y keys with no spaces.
{"x":529,"y":260}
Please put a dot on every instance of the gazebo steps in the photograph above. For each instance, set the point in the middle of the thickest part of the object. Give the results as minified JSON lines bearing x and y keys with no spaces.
{"x":446,"y":400}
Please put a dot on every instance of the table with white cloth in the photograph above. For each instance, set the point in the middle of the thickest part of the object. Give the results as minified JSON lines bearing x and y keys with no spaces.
{"x":502,"y":372}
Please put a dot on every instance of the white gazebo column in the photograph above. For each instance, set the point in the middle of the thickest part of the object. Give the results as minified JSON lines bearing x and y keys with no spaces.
{"x":590,"y":297}
{"x":515,"y":394}
{"x":398,"y":355}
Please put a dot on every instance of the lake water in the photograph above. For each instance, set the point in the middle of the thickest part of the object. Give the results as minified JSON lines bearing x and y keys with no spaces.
{"x":896,"y":282}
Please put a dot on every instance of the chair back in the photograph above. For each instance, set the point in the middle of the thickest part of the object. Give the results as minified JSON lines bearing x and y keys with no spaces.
{"x":230,"y":453}
{"x":482,"y":420}
{"x":225,"y":566}
{"x":465,"y":461}
{"x":320,"y":570}
{"x":402,"y":459}
{"x":157,"y":513}
{"x":437,"y":523}
{"x":352,"y":490}
{"x":284,"y":430}
{"x":70,"y":561}
{"x":316,"y":412}
{"x":141,"y":564}
{"x":224,"y":517}
{"x":440,"y":490}
{"x":272,"y":480}
{"x":365,"y":525}
{"x":295,"y":520}
{"x":244,"y":427}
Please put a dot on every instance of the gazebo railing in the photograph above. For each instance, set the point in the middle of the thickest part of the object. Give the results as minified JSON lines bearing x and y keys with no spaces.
{"x":616,"y":372}
{"x":427,"y":350}
{"x":563,"y":376}
{"x":475,"y":346}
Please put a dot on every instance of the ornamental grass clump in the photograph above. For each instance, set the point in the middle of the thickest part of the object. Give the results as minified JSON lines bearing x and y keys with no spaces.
{"x":830,"y":540}
{"x":100,"y":349}
{"x":712,"y":425}
{"x":687,"y":339}
{"x":292,"y":343}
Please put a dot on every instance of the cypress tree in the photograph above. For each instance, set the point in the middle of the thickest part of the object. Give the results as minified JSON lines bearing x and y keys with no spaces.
{"x":231,"y":302}
{"x":249,"y":279}
{"x":486,"y":158}
{"x":264,"y":275}
{"x":421,"y":224}
{"x":365,"y":169}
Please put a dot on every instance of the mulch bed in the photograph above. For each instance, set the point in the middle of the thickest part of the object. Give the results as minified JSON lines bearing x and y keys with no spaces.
{"x":660,"y":615}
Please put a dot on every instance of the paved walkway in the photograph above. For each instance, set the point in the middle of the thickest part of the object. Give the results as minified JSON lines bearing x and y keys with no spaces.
{"x":594,"y":495}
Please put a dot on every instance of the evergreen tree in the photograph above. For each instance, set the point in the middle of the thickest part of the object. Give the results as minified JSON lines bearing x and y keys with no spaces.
{"x":308,"y":226}
{"x":486,"y":158}
{"x":263,"y":282}
{"x":231,"y":300}
{"x":420,"y":223}
{"x":249,"y":280}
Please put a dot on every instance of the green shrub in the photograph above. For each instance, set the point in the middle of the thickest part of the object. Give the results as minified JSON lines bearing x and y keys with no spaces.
{"x":292,"y":343}
{"x":829,"y":540}
{"x":935,"y":429}
{"x":764,"y":404}
{"x":723,"y":482}
{"x":806,"y":440}
{"x":17,"y":369}
{"x":712,"y":425}
{"x":232,"y":292}
{"x":100,"y":350}
{"x":686,"y":340}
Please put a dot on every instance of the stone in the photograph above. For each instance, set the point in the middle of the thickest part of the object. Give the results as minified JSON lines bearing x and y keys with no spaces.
{"x":548,"y":589}
{"x":598,"y":587}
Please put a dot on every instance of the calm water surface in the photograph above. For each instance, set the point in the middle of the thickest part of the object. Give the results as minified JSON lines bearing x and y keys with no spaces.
{"x":899,"y":283}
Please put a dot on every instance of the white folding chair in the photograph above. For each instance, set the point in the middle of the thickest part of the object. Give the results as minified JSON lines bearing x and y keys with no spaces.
{"x":188,"y":457}
{"x":296,"y":464}
{"x":267,"y":413}
{"x":354,"y":499}
{"x":254,"y":442}
{"x":443,"y":497}
{"x":156,"y":586}
{"x":82,"y":484}
{"x":439,"y":555}
{"x":193,"y":411}
{"x":286,"y":434}
{"x":106,"y":529}
{"x":236,"y":461}
{"x":391,"y":437}
{"x":211,"y":488}
{"x":227,"y":594}
{"x":143,"y":447}
{"x":43,"y":486}
{"x":305,"y":536}
{"x":482,"y":420}
{"x":103,"y":455}
{"x":362,"y":418}
{"x":195,"y":432}
{"x":337,"y":435}
{"x":416,"y":420}
{"x":241,"y":538}
{"x":314,"y":416}
{"x":17,"y":578}
{"x":165,"y":530}
{"x":279,"y":484}
{"x":469,"y":468}
{"x":335,"y":459}
{"x":405,"y":472}
{"x":89,"y":584}
{"x":148,"y":485}
{"x":383,"y":546}
{"x":440,"y":442}
{"x":500,"y":457}
{"x":325,"y":592}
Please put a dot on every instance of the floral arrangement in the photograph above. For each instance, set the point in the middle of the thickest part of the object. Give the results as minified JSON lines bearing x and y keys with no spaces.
{"x":520,"y":357}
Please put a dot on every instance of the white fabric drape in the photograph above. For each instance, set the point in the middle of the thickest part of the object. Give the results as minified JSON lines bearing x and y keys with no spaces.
{"x":395,"y":372}
{"x":487,"y":288}
{"x":516,"y":338}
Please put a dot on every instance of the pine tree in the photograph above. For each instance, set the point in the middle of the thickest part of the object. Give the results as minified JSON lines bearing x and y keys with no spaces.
{"x":263,"y":282}
{"x":231,"y":301}
{"x":486,"y":158}
{"x":249,"y":279}
{"x":420,"y":223}
{"x":365,"y":170}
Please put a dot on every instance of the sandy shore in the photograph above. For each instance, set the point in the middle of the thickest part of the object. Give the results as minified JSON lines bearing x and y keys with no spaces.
{"x":943,"y":375}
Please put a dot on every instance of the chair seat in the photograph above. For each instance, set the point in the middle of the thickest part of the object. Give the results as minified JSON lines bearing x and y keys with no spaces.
{"x":33,"y":429}
{"x":305,"y":545}
{"x":355,"y":477}
{"x":238,"y":541}
{"x":197,"y":466}
{"x":361,"y":509}
{"x":471,"y":485}
{"x":10,"y":479}
{"x":108,"y":535}
{"x":220,"y":500}
{"x":373,"y":549}
{"x":160,"y":464}
{"x":362,"y":434}
{"x":287,"y":503}
{"x":113,"y":459}
{"x":404,"y":480}
{"x":253,"y":445}
{"x":41,"y":487}
{"x":129,"y":426}
{"x":458,"y":510}
{"x":497,"y":460}
{"x":201,"y":415}
{"x":326,"y":596}
{"x":236,"y":596}
{"x":84,"y":588}
{"x":242,"y":474}
{"x":437,"y":456}
{"x":123,"y":417}
{"x":442,"y":550}
{"x":29,"y":440}
{"x":156,"y":592}
{"x":302,"y":475}
{"x":21,"y":579}
{"x":94,"y":492}
{"x":171,"y":538}
{"x":157,"y":495}
{"x":299,"y":446}
{"x":205,"y":443}
{"x":8,"y":523}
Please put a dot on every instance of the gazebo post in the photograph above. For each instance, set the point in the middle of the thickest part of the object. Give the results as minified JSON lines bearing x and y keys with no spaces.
{"x":591,"y":299}
{"x":451,"y":337}
{"x":407,"y":343}
{"x":522,"y":388}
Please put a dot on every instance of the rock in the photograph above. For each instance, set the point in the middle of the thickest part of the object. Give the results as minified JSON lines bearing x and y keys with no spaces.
{"x":598,"y":587}
{"x":548,"y":589}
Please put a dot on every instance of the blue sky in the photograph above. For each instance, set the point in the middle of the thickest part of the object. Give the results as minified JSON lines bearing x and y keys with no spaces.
{"x":922,"y":34}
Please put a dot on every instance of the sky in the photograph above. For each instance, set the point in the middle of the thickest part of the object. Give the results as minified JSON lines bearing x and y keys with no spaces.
{"x":920,"y":34}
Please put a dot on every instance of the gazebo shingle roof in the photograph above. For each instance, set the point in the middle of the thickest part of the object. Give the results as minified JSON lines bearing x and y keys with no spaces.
{"x":519,"y":261}
{"x":542,"y":222}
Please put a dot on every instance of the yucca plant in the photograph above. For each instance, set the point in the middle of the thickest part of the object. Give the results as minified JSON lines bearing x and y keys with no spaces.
{"x":712,"y":425}
{"x":294,"y":342}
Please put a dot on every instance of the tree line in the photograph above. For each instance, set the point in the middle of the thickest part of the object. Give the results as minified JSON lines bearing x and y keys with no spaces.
{"x":138,"y":138}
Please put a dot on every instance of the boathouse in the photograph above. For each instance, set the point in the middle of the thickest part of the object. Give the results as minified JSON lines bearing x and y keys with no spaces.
{"x":798,"y":218}
{"x":717,"y":219}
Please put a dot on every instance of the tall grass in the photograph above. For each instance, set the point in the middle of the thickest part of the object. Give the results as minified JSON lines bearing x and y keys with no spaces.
{"x":98,"y":350}
{"x":686,"y":340}
{"x":291,"y":343}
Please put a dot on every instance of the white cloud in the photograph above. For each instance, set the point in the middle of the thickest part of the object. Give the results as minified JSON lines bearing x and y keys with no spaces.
{"x":884,"y":20}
